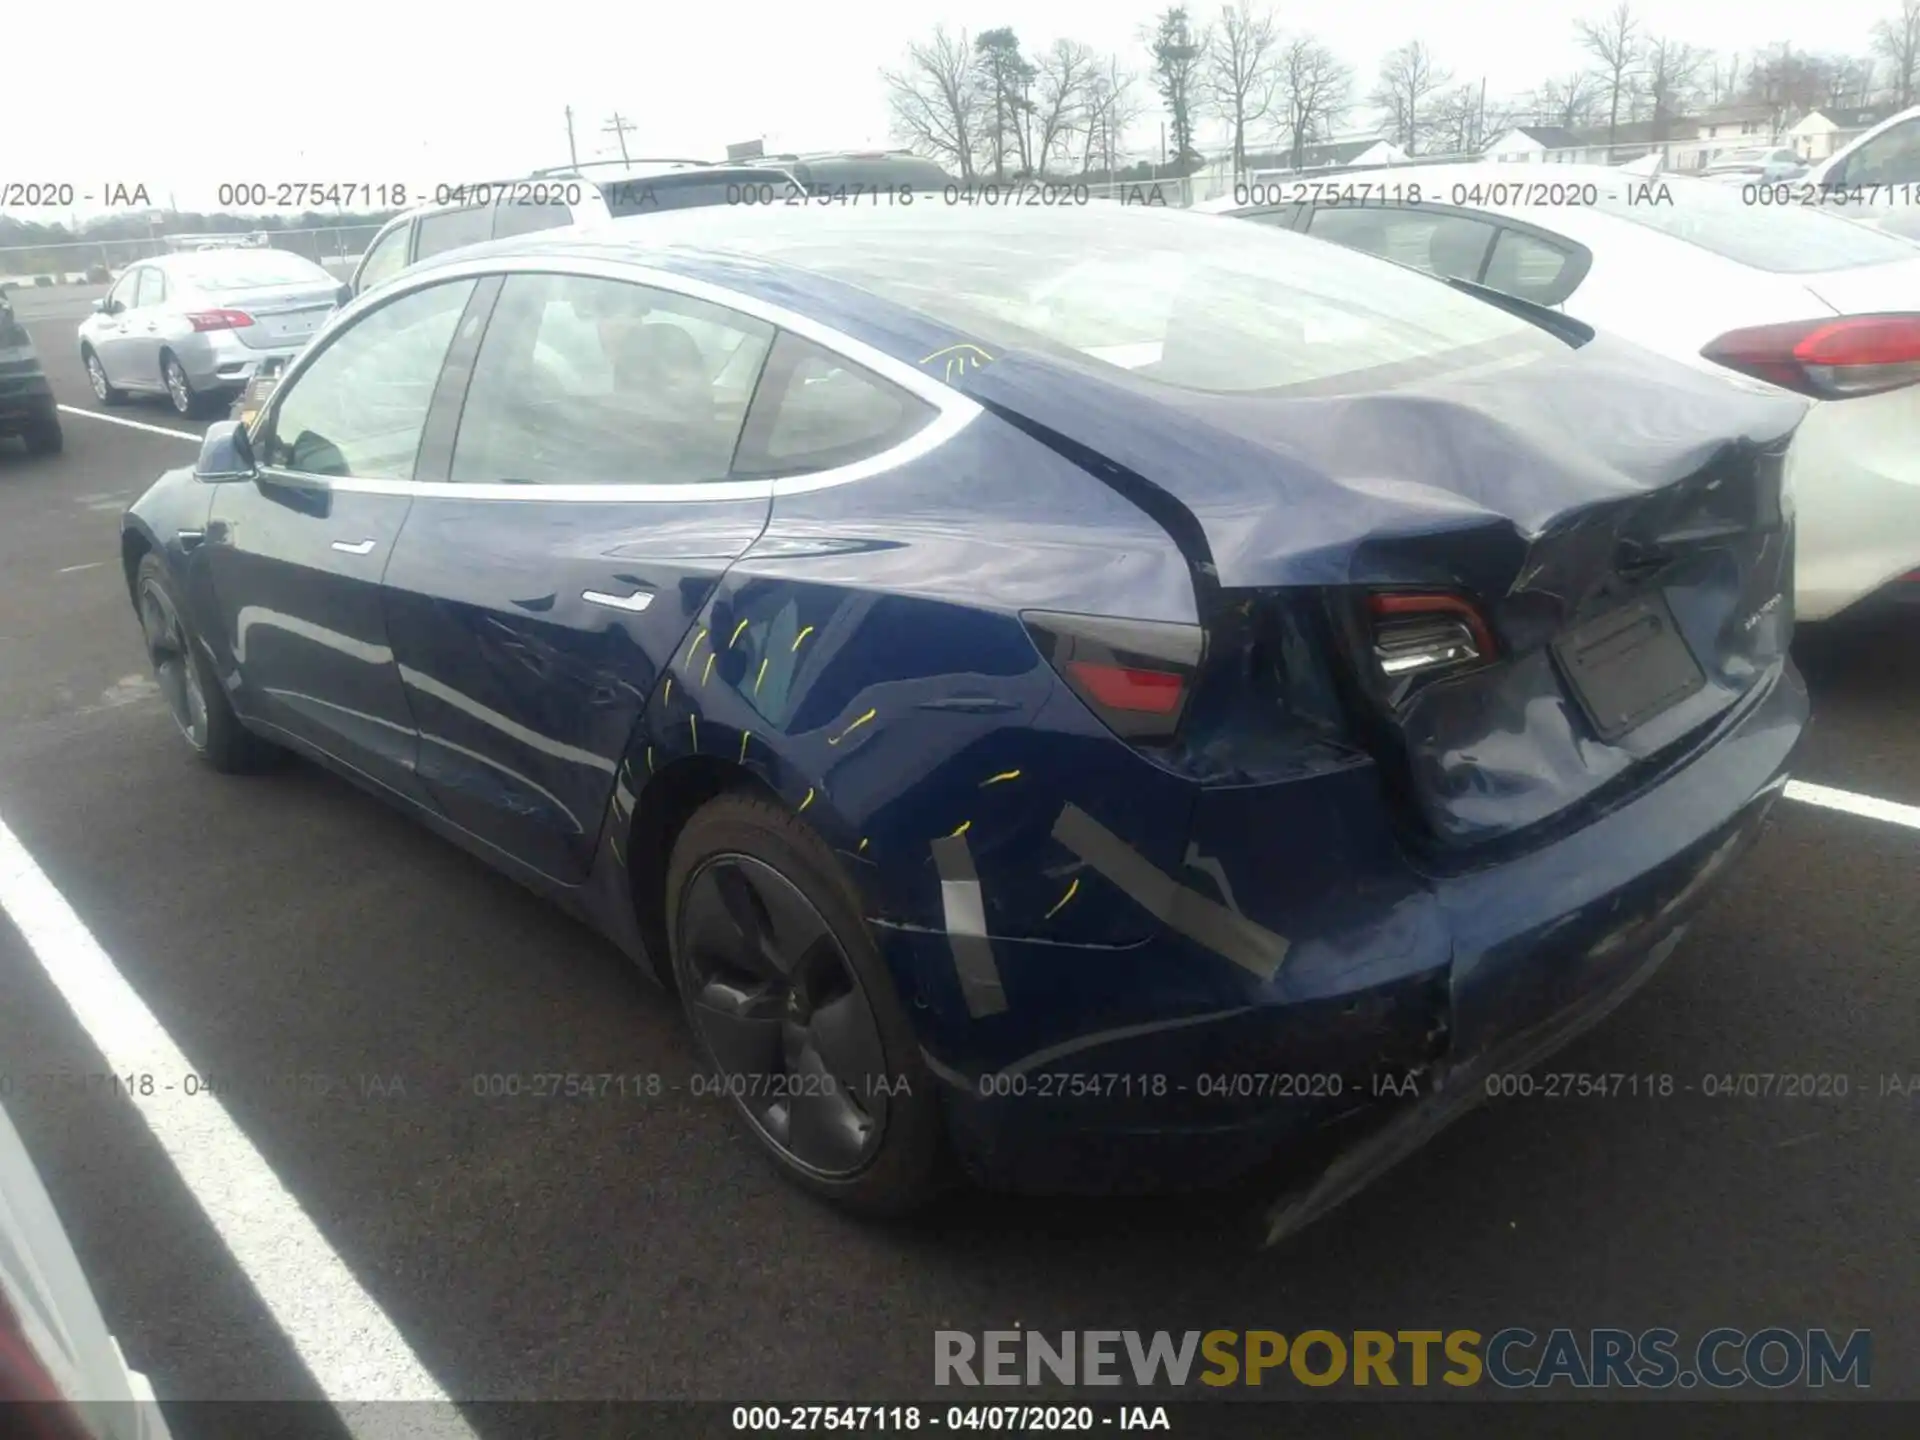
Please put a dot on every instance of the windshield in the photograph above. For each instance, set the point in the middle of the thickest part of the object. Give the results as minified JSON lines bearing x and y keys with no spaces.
{"x":1783,"y":239}
{"x":1197,"y":302}
{"x":246,"y":270}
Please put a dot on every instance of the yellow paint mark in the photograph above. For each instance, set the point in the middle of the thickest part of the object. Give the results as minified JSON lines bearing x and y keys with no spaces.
{"x":707,"y":674}
{"x":762,"y":675}
{"x":1003,"y":775}
{"x":965,"y":825}
{"x":806,"y":802}
{"x":801,"y":636}
{"x":667,"y":699}
{"x":736,"y":634}
{"x":693,"y":723}
{"x":863,"y":845}
{"x":695,"y":645}
{"x":1072,"y":890}
{"x":835,"y":740}
{"x":649,"y":759}
{"x":745,"y":735}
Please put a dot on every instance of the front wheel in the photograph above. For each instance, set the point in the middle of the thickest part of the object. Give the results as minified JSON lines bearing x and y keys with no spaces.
{"x":104,"y":390}
{"x":795,"y":1011}
{"x":187,"y":680}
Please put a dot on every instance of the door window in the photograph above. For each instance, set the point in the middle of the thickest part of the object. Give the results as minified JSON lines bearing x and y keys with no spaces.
{"x":1529,"y":267}
{"x":388,"y":257}
{"x":359,"y":409}
{"x":816,"y":410}
{"x":527,"y":219}
{"x":1889,"y":159}
{"x":584,"y":381}
{"x":150,"y":289}
{"x":121,"y":296}
{"x":1449,"y":245}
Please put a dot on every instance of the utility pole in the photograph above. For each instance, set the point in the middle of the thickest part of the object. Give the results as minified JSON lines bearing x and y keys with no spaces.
{"x":573,"y":152}
{"x":618,"y":126}
{"x":1480,"y":125}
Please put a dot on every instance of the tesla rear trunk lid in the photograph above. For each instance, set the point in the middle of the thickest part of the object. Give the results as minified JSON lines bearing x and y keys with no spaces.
{"x":1617,"y":518}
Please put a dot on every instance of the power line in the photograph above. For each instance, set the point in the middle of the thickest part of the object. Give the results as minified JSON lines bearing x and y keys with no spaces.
{"x":619,"y":126}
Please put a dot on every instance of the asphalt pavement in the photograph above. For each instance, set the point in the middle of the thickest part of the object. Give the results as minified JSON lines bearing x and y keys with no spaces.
{"x":343,"y":977}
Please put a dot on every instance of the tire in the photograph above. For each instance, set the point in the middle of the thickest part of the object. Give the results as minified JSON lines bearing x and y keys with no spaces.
{"x":187,"y":680}
{"x":104,"y":390}
{"x":838,"y":1015}
{"x":187,"y":403}
{"x":43,"y":434}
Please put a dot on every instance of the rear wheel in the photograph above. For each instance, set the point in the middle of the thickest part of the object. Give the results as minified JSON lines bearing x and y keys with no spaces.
{"x":43,"y":434}
{"x":186,"y":401}
{"x":795,"y":1011}
{"x":103,"y":390}
{"x":187,"y":681}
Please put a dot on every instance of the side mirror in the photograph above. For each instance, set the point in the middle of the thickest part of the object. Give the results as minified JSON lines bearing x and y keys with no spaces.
{"x":100,"y":306}
{"x":226,"y":454}
{"x":343,"y":297}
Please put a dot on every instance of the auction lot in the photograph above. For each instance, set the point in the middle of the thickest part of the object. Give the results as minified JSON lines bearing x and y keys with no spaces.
{"x":343,"y":977}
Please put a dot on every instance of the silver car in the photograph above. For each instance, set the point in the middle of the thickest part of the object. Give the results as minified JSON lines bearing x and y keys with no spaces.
{"x":194,"y":327}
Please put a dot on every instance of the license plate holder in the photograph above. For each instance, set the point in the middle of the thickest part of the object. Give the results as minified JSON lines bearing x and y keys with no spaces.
{"x":1628,"y":665}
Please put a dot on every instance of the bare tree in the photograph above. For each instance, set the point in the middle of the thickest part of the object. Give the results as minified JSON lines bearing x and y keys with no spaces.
{"x":934,"y":99}
{"x":1459,"y":126}
{"x":1066,"y":72}
{"x":1113,"y":104}
{"x":1178,"y":50}
{"x":1723,"y":81}
{"x":1671,"y":80}
{"x":1240,"y":72}
{"x":1408,"y":77}
{"x":1006,"y":104}
{"x":1615,"y":43}
{"x":1314,"y":92}
{"x":1787,"y":83}
{"x":1568,"y":103}
{"x":1897,"y":42}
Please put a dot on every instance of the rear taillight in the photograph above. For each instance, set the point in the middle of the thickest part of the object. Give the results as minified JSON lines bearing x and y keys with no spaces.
{"x":219,"y":319}
{"x":1827,"y":359}
{"x":1418,"y":635}
{"x":30,"y":1398}
{"x":1136,"y":675}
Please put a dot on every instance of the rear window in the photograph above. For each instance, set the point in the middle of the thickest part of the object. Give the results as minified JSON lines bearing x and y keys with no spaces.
{"x":1197,"y":302}
{"x":877,"y":173}
{"x":685,"y":192}
{"x":1782,"y":239}
{"x":245,"y":269}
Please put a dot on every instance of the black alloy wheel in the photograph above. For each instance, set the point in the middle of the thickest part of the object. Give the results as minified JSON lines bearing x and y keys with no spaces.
{"x":171,"y":655}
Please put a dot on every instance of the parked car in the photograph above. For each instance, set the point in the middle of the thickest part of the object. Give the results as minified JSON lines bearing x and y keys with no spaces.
{"x":1016,"y":672}
{"x":1785,"y":295}
{"x":27,"y":406}
{"x":62,"y":1373}
{"x":1876,"y":177}
{"x":1763,"y":164}
{"x":193,"y":327}
{"x":601,"y":190}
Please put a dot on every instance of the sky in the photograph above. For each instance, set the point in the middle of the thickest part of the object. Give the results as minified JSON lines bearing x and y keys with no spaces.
{"x":365,"y":92}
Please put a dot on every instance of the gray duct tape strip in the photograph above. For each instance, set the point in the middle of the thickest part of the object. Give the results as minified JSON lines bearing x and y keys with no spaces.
{"x":1252,"y":947}
{"x":966,"y":914}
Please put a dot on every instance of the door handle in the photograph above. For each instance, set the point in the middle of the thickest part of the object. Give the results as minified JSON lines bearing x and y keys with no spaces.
{"x":358,"y":547}
{"x":633,"y":604}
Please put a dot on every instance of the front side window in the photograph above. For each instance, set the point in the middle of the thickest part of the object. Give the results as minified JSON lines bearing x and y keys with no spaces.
{"x":150,"y":289}
{"x":450,"y":229}
{"x":1892,"y":158}
{"x":586,"y":381}
{"x":388,"y":257}
{"x":121,"y":296}
{"x":359,"y":409}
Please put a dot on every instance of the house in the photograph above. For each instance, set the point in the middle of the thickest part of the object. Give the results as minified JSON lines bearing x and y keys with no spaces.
{"x":1743,"y":124}
{"x":1819,"y":133}
{"x":1532,"y":142}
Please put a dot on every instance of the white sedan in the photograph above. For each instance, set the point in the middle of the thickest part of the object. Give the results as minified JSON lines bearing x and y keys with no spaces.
{"x":1783,"y":294}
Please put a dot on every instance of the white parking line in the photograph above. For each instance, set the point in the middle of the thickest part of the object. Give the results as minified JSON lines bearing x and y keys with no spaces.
{"x":347,"y":1343}
{"x":130,"y":424}
{"x":1867,"y":806}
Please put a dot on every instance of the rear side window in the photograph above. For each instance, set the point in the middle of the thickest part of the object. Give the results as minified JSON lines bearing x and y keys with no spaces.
{"x":1529,"y":267}
{"x":528,"y":219}
{"x":1783,"y":239}
{"x":816,"y":410}
{"x":1439,"y":244}
{"x":450,"y":229}
{"x":584,"y":381}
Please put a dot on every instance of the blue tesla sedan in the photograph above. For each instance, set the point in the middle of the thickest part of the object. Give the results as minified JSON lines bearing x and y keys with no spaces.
{"x":1094,"y":694}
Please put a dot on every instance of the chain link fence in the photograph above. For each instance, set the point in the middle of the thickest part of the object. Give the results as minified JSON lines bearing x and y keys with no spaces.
{"x":81,"y":262}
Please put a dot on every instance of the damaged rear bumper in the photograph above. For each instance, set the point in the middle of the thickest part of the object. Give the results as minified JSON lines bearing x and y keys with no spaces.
{"x":1527,"y":954}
